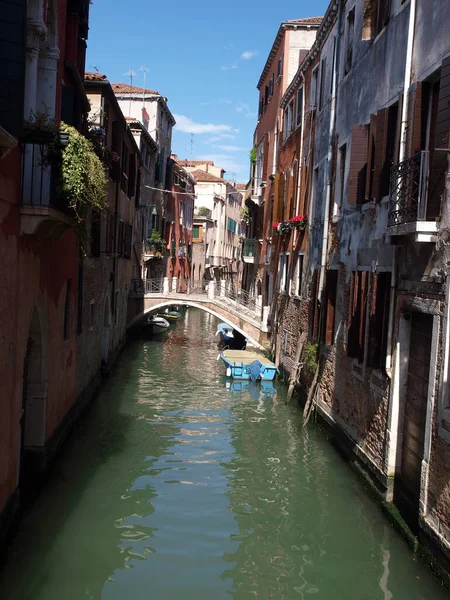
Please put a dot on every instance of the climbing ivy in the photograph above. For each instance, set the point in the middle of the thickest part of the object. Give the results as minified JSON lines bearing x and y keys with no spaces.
{"x":83,"y":181}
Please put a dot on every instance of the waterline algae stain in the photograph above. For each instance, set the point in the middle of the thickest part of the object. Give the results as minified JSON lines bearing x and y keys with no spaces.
{"x":179,"y":484}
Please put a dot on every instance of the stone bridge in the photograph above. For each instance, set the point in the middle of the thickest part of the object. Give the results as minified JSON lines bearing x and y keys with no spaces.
{"x":243,"y":312}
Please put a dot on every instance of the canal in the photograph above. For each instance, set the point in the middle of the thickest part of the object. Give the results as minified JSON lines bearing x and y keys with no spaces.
{"x":177,"y":486}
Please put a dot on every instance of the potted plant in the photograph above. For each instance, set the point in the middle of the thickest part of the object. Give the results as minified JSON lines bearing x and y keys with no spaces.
{"x":282,"y":227}
{"x":299,"y":222}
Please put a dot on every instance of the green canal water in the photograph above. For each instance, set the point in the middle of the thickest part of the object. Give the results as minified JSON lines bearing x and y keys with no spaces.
{"x":176,"y":486}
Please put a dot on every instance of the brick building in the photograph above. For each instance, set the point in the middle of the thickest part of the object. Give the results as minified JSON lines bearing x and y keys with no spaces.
{"x":42,"y":68}
{"x":367,"y":281}
{"x":105,"y":275}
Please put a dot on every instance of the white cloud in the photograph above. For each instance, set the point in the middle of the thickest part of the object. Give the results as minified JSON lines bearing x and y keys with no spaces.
{"x":227,"y":101}
{"x":248,"y":54}
{"x":242,"y":107}
{"x":229,"y":67}
{"x":189,"y":126}
{"x":219,"y":137}
{"x":227,"y":162}
{"x":231,"y":148}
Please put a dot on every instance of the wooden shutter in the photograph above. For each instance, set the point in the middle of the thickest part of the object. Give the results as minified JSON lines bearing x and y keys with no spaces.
{"x":132,"y":175}
{"x":280,"y":200}
{"x":414,"y":124}
{"x":438,"y":158}
{"x":371,"y":157}
{"x":378,"y":320}
{"x":13,"y":18}
{"x":332,"y":280}
{"x":353,"y":317}
{"x":358,"y":164}
{"x":380,"y":151}
{"x":363,"y":309}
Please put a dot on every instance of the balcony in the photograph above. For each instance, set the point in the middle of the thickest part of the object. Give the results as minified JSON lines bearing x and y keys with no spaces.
{"x":43,"y":211}
{"x":409,"y":210}
{"x":153,"y":249}
{"x":250,"y":251}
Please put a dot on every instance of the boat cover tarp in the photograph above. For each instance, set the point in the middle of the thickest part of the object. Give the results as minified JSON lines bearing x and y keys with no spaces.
{"x":254,"y":370}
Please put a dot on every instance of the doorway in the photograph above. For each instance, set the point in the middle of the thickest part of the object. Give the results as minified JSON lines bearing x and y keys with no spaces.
{"x":34,"y":401}
{"x":407,"y":486}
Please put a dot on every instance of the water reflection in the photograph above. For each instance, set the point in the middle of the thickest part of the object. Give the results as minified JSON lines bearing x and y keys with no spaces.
{"x":181,"y":483}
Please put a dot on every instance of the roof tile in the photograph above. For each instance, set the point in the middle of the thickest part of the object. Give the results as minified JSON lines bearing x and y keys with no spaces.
{"x":126,"y":88}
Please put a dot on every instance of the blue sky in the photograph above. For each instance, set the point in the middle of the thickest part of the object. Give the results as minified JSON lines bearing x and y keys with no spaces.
{"x":205,"y":57}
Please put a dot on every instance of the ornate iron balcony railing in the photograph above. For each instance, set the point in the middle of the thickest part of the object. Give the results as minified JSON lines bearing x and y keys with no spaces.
{"x":409,"y":190}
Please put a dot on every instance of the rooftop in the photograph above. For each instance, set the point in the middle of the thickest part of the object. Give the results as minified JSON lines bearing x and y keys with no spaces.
{"x":241,"y":186}
{"x":126,"y":88}
{"x":95,"y":77}
{"x":292,"y":24}
{"x":203,"y":176}
{"x":186,"y":162}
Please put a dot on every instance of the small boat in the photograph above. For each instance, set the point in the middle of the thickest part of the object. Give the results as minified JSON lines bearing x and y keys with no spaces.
{"x":156,"y":325}
{"x":172,"y":315}
{"x":230,"y":337}
{"x":243,"y":364}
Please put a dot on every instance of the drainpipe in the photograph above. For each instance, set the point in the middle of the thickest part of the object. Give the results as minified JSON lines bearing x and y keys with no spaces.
{"x":330,"y":155}
{"x":300,"y":157}
{"x":401,"y":158}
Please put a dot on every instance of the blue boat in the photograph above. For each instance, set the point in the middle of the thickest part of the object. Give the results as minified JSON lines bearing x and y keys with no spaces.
{"x":243,"y":364}
{"x":230,"y":337}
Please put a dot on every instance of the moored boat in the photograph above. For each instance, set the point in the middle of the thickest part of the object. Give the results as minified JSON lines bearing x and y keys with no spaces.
{"x":156,"y":325}
{"x":230,"y":337}
{"x":243,"y":364}
{"x":171,"y":315}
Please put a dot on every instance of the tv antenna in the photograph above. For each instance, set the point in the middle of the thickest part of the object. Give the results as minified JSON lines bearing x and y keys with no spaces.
{"x":131,"y":73}
{"x":145,"y":71}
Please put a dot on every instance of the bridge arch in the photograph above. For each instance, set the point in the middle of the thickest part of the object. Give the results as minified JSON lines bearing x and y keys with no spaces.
{"x":193,"y":304}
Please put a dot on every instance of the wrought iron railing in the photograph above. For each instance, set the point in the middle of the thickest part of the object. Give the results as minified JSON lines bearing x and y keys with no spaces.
{"x":147,"y":286}
{"x":250,"y":248}
{"x":409,"y":190}
{"x":38,"y":178}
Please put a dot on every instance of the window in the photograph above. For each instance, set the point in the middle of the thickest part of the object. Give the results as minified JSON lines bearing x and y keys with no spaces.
{"x":283,"y":262}
{"x":66,"y":318}
{"x":376,"y":301}
{"x":288,"y":119}
{"x":299,"y":106}
{"x":323,"y":72}
{"x":125,"y":167}
{"x":376,"y":16}
{"x":196,"y":232}
{"x":314,"y":80}
{"x":358,"y":165}
{"x":266,"y":95}
{"x":349,"y":41}
{"x":298,"y":279}
{"x":261,"y":106}
{"x":132,"y":176}
{"x":280,"y":67}
{"x":342,"y":165}
{"x":271,"y":83}
{"x":331,"y":295}
{"x":357,"y":315}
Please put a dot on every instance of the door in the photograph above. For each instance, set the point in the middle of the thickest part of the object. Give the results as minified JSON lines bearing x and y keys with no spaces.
{"x":415,"y":413}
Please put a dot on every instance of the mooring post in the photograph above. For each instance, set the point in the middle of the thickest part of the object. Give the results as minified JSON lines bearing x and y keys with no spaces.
{"x":174,"y":284}
{"x":166,"y":285}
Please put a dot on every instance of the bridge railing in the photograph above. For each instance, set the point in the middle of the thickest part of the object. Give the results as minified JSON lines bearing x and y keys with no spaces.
{"x":147,"y":286}
{"x":231,"y":295}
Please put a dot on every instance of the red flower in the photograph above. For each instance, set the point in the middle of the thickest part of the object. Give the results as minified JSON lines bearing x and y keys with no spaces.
{"x":275,"y":225}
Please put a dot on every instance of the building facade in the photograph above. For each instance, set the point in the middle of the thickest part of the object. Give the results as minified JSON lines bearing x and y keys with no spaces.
{"x":361,"y":285}
{"x":42,"y":66}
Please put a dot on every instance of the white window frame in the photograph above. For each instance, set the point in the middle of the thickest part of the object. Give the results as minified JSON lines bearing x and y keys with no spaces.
{"x":298,"y":275}
{"x":283,"y":263}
